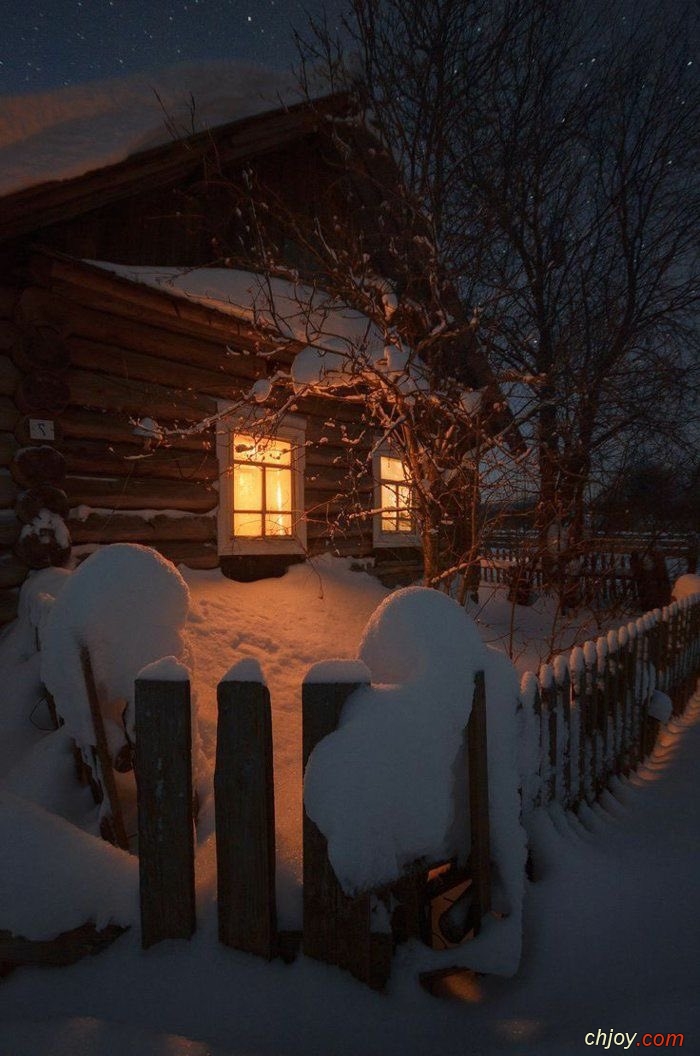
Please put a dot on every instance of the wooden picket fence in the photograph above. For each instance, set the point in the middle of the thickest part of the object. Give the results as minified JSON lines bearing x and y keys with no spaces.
{"x":359,"y":933}
{"x":589,"y":714}
{"x":592,"y":711}
{"x":605,"y":570}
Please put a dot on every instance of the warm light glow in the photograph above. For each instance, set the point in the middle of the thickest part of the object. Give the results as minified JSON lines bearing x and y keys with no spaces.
{"x":262,"y":486}
{"x":395,"y":496}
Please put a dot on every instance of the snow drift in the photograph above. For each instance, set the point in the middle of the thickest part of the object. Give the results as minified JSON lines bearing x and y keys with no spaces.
{"x":128,"y":605}
{"x":389,"y":786}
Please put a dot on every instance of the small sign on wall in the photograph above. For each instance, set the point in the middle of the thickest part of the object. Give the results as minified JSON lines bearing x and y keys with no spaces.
{"x":41,"y":429}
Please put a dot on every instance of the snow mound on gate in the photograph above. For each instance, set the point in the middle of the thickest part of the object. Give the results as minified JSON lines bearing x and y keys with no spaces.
{"x":55,"y":877}
{"x":66,"y":132}
{"x":686,"y":586}
{"x":389,"y":786}
{"x":128,"y":605}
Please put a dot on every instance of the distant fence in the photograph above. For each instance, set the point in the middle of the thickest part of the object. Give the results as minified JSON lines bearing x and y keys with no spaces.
{"x":600,"y":569}
{"x":589,"y":716}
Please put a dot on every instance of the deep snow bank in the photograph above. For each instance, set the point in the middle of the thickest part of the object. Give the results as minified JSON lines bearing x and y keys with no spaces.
{"x":389,"y":786}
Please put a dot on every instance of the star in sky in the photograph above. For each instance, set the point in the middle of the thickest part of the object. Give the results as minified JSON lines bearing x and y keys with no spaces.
{"x":50,"y":43}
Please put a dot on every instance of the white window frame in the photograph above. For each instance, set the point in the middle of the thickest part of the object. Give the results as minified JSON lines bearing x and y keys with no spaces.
{"x":292,"y":428}
{"x":379,"y":537}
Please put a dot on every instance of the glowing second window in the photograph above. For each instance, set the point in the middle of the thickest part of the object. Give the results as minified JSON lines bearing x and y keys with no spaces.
{"x":263,"y":487}
{"x":395,"y":496}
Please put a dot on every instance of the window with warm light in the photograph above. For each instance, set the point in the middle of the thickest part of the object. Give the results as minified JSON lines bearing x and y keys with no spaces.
{"x":261,"y":489}
{"x":394,"y":521}
{"x":263,"y":486}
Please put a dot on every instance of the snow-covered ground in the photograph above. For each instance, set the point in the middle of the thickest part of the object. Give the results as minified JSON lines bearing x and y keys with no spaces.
{"x":611,"y":924}
{"x":612,"y":927}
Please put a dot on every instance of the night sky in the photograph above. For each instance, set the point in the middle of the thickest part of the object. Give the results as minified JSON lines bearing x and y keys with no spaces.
{"x":48,"y":43}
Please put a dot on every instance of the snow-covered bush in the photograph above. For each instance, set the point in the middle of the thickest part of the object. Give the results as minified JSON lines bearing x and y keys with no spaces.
{"x":389,"y":786}
{"x":127,"y":605}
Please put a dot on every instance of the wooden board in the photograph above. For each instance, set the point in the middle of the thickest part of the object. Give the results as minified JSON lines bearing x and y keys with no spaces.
{"x":245,"y":819}
{"x":166,"y":829}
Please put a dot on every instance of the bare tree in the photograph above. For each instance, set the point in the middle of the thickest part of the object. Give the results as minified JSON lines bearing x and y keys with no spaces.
{"x":553,"y":147}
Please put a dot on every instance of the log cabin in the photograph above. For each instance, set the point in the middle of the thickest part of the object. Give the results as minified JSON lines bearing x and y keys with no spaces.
{"x":97,"y":343}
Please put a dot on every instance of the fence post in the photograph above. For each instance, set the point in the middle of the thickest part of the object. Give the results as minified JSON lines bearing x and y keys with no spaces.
{"x":336,"y":927}
{"x":562,"y":684}
{"x":549,"y":729}
{"x":245,"y":812}
{"x":112,"y":821}
{"x":164,"y":782}
{"x":480,"y":854}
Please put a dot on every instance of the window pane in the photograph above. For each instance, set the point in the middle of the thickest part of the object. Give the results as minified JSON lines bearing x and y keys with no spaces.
{"x":245,"y":447}
{"x":389,"y":498}
{"x":392,"y":468}
{"x":266,"y":449}
{"x":248,"y":525}
{"x":278,"y":489}
{"x":278,"y":524}
{"x":275,"y":452}
{"x":247,"y":487}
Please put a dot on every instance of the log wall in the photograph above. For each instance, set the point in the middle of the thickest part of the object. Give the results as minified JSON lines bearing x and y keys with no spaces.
{"x":92,"y":354}
{"x":12,"y":570}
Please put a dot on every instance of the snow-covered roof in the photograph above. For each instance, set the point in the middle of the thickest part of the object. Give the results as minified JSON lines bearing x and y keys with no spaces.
{"x":65,"y":133}
{"x":295,"y":311}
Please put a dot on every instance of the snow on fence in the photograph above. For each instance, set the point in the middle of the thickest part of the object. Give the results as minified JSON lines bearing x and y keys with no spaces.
{"x":586,"y":718}
{"x":357,"y":933}
{"x":596,"y":713}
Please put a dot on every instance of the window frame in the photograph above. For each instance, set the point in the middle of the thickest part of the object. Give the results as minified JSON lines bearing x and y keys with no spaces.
{"x":381,"y":538}
{"x":291,"y":428}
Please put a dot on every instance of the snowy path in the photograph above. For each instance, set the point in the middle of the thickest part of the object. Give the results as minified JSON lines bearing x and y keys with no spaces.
{"x":613,"y":929}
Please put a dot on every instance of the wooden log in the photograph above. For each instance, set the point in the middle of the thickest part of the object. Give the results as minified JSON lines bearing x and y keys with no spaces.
{"x":30,"y":503}
{"x":10,"y":335}
{"x":480,"y":855}
{"x":166,"y":832}
{"x":37,"y":465}
{"x":117,"y":459}
{"x":39,"y":307}
{"x":112,"y":822}
{"x":191,"y":554}
{"x":341,"y":547}
{"x":9,"y":602}
{"x":134,"y":397}
{"x":130,"y":494}
{"x":41,"y":348}
{"x":9,"y":527}
{"x":8,"y":447}
{"x":13,"y":571}
{"x":42,"y":394}
{"x":131,"y":528}
{"x":82,"y":424}
{"x":9,"y":376}
{"x":64,"y":949}
{"x":336,"y":927}
{"x":9,"y":414}
{"x":100,"y":290}
{"x":245,"y":818}
{"x":123,"y":362}
{"x":8,"y":490}
{"x":9,"y":296}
